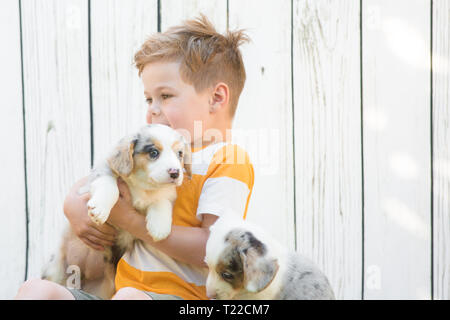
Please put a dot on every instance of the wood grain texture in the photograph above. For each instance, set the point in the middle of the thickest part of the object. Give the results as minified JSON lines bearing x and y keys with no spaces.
{"x":263,"y":121}
{"x":118,"y":29}
{"x":13,"y":238}
{"x":441,"y":149}
{"x":396,"y":96}
{"x":299,"y":117}
{"x":328,"y":140}
{"x":173,"y":12}
{"x":56,"y":81}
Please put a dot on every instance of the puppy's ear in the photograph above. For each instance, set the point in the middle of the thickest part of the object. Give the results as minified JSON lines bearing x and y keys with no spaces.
{"x":121,"y":160}
{"x":259,"y":268}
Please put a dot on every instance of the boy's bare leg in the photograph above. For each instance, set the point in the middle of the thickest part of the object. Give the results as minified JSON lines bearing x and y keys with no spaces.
{"x":38,"y":289}
{"x":129,"y":293}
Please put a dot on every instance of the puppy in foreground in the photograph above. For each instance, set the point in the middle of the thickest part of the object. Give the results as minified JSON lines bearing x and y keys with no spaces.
{"x":245,"y":263}
{"x":151,"y":163}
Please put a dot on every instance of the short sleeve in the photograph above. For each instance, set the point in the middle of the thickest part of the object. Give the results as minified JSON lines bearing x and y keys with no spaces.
{"x":228,"y":184}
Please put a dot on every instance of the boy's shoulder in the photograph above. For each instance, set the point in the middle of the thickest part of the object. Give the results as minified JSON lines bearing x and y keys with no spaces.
{"x":231,"y":161}
{"x":231,"y":154}
{"x":220,"y":153}
{"x":228,"y":181}
{"x":222,"y":157}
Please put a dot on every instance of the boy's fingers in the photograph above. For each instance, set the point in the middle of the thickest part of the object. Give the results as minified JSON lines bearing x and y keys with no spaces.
{"x":109,"y":229}
{"x":92,"y":244}
{"x":101,"y":235}
{"x":105,"y":229}
{"x":98,"y":241}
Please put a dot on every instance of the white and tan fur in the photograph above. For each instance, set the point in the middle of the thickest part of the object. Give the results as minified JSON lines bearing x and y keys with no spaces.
{"x":151,"y":163}
{"x":245,"y":263}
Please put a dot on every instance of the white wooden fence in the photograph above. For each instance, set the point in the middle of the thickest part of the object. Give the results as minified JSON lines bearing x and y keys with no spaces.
{"x":348,"y":101}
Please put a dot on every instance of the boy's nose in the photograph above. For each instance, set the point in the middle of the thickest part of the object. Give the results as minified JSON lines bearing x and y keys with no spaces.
{"x":174,"y":173}
{"x":155,"y":110}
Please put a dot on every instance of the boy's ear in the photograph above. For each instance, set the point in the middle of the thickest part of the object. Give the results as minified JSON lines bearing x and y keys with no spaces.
{"x":220,"y":97}
{"x":121,"y":160}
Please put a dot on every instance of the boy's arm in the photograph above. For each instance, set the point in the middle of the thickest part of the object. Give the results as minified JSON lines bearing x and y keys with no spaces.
{"x":186,"y":244}
{"x":75,"y":210}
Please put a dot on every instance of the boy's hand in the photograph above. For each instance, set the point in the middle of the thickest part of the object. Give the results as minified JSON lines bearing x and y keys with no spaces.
{"x":75,"y":209}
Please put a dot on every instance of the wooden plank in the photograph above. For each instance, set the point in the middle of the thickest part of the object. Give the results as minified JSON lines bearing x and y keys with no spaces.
{"x":56,"y":81}
{"x":441,"y":149}
{"x":396,"y":96}
{"x":263,"y":121}
{"x":327,"y":124}
{"x":12,"y":186}
{"x":118,"y":29}
{"x":173,"y":12}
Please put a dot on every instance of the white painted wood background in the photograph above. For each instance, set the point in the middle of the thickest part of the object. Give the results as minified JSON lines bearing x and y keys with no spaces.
{"x":345,"y":114}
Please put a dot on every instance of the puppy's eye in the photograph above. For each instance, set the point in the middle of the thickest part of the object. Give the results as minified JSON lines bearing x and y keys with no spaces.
{"x":180,"y":154}
{"x":227,"y":276}
{"x":154,"y":153}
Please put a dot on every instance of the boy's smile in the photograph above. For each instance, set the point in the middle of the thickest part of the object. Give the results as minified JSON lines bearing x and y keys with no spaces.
{"x":170,"y":100}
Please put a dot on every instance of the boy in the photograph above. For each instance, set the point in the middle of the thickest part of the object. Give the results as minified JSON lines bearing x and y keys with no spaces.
{"x":192,"y":77}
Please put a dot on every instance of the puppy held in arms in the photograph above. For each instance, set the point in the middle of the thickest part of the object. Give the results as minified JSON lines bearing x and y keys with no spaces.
{"x":151,"y":163}
{"x":245,"y":263}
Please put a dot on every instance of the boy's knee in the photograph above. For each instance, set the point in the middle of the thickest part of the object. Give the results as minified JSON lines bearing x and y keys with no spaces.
{"x":129,"y":293}
{"x":38,"y":289}
{"x":30,"y":288}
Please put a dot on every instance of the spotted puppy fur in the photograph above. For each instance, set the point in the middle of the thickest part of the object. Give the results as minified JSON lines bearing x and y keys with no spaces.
{"x":245,"y":263}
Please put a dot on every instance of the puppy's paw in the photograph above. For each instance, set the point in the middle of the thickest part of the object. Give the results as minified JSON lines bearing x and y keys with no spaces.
{"x":158,"y":227}
{"x":98,"y":213}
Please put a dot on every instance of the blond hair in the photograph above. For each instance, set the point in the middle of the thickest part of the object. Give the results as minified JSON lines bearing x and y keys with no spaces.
{"x":207,"y":57}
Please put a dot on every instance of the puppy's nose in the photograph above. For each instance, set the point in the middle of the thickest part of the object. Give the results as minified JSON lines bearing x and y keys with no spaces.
{"x":174,"y":173}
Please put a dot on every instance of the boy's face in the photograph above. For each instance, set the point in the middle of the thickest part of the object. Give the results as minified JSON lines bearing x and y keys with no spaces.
{"x":171,"y":101}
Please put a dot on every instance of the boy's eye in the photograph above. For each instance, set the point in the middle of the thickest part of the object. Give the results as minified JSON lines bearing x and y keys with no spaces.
{"x":163,"y":96}
{"x":180,"y":154}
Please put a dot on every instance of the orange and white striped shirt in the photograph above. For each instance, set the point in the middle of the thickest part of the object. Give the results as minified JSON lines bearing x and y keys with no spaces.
{"x":222,"y":181}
